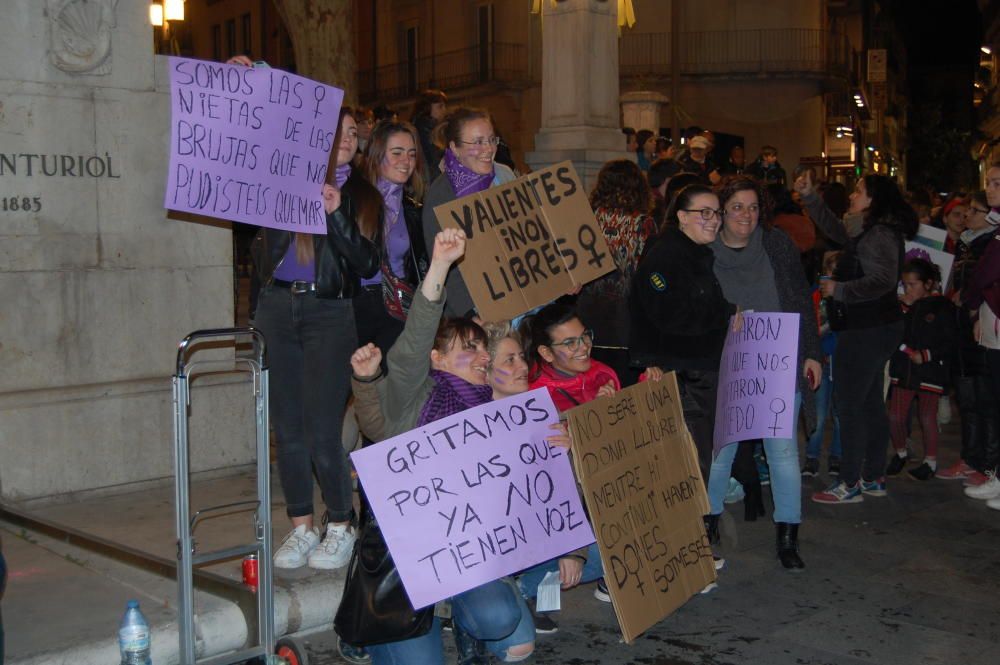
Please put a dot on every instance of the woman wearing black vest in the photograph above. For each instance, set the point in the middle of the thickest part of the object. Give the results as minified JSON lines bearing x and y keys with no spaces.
{"x":869,"y":320}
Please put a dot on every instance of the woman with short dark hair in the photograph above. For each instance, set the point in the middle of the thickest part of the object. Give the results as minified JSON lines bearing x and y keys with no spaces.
{"x":758,"y":268}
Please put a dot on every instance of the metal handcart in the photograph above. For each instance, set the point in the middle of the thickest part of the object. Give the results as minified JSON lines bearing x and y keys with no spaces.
{"x":266,"y":647}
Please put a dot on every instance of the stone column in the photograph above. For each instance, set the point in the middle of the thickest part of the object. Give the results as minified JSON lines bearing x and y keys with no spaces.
{"x":641,"y":110}
{"x":97,"y":286}
{"x":580,"y":112}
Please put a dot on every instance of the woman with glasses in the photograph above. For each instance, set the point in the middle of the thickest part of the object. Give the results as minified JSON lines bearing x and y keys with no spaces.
{"x":558,"y":348}
{"x":758,"y":268}
{"x":469,"y":167}
{"x":679,"y":313}
{"x":865,"y":312}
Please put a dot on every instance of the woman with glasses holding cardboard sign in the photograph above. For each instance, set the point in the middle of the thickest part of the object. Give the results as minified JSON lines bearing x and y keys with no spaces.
{"x":679,"y":313}
{"x":468,"y":167}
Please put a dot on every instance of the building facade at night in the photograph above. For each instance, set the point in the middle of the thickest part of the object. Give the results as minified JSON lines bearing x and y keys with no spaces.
{"x":792,"y":74}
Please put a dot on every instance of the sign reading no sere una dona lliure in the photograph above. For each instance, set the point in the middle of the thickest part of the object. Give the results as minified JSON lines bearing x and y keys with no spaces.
{"x":529,"y":241}
{"x":250,"y":145}
{"x":472,"y":497}
{"x":645,"y":495}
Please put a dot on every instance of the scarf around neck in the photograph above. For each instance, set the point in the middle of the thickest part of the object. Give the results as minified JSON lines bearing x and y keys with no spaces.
{"x":464,"y":180}
{"x":342,"y":173}
{"x":392,"y":195}
{"x":746,"y":275}
{"x":450,"y":395}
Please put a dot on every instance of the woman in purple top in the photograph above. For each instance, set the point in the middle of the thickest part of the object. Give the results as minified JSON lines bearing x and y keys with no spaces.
{"x":391,"y":163}
{"x":305,"y":313}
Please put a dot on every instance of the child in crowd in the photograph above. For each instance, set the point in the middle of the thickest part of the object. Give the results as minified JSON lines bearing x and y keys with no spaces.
{"x":824,"y":394}
{"x":921,"y":367}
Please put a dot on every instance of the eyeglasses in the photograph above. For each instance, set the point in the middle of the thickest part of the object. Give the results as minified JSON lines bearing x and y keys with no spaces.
{"x":979,"y":210}
{"x":483,"y":141}
{"x":574,"y":343}
{"x":707,"y":214}
{"x":737,"y":208}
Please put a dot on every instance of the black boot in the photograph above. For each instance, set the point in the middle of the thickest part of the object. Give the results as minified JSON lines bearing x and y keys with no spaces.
{"x":712,"y":531}
{"x":712,"y":528}
{"x":753,"y":502}
{"x":788,"y":546}
{"x":470,"y":650}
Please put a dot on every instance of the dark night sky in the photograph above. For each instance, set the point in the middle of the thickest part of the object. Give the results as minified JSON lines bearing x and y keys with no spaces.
{"x":940,"y":32}
{"x":942,"y":40}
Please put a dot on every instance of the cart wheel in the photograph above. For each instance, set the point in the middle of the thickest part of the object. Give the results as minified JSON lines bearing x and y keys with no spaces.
{"x":292,"y":651}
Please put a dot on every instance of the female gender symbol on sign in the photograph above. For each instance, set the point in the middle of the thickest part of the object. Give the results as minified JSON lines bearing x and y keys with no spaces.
{"x":777,"y":407}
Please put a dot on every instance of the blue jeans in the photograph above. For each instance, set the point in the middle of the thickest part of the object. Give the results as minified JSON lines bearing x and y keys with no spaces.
{"x":824,"y":406}
{"x":494,"y":613}
{"x":783,"y":464}
{"x":592,"y":570}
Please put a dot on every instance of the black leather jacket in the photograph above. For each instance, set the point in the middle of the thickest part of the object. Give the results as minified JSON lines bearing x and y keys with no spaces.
{"x":417,"y":259}
{"x":343,"y":255}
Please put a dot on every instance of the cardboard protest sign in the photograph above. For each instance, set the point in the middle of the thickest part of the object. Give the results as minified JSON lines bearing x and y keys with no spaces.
{"x":250,"y":145}
{"x":529,"y":241}
{"x":645,"y":495}
{"x":758,"y":375}
{"x":473,"y":497}
{"x":942,"y":259}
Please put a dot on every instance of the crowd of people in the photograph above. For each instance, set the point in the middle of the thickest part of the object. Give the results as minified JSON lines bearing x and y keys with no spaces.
{"x":376,"y":308}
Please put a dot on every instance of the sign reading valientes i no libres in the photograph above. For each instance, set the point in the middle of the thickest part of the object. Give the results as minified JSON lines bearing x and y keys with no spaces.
{"x":250,"y":145}
{"x":529,"y":241}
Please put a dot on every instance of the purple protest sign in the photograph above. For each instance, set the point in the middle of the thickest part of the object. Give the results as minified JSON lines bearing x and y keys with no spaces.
{"x":757,"y":380}
{"x":249,"y":144}
{"x":473,"y":497}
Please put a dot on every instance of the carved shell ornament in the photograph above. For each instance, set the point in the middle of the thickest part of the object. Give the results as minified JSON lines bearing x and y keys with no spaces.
{"x":80,"y":32}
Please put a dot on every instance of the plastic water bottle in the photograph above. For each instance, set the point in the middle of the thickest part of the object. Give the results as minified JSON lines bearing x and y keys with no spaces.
{"x":133,"y":636}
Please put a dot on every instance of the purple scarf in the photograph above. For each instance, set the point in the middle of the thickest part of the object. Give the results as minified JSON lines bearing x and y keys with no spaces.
{"x":451,"y":395}
{"x":464,"y":180}
{"x":392,"y":194}
{"x":342,"y":173}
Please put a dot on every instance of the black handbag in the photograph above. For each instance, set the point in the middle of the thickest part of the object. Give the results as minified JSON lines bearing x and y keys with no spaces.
{"x":374,"y":608}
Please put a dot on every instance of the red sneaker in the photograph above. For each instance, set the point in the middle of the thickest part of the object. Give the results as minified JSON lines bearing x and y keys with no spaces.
{"x":957,"y":471}
{"x":975,"y":479}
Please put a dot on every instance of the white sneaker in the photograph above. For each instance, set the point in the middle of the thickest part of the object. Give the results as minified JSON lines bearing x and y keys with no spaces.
{"x":336,"y":548}
{"x":296,"y":547}
{"x":994,"y":503}
{"x":988,"y":490}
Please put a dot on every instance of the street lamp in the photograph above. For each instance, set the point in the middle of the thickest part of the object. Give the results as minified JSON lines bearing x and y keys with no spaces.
{"x":173,"y":10}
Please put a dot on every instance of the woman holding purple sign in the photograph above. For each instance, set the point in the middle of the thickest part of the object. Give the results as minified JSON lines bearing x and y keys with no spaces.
{"x":436,"y":369}
{"x":759,"y":269}
{"x":469,"y":167}
{"x":305,"y":312}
